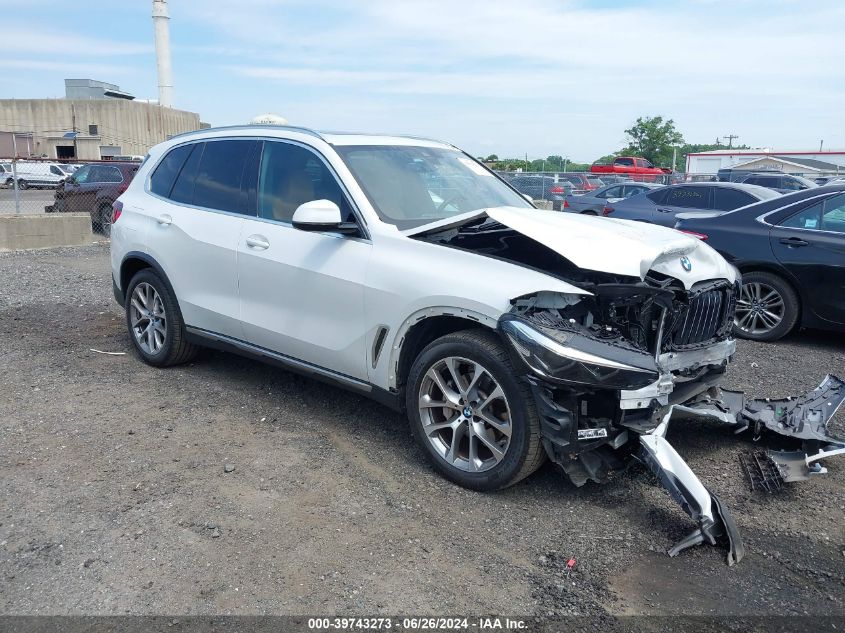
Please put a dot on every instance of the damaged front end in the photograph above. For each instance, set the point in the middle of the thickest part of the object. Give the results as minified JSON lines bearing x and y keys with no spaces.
{"x":610,"y":370}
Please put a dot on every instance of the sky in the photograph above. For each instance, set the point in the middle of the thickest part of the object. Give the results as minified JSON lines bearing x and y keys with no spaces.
{"x":512,"y":77}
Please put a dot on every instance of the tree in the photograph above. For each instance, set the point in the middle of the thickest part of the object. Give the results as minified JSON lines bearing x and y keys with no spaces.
{"x":492,"y":158}
{"x":653,"y":138}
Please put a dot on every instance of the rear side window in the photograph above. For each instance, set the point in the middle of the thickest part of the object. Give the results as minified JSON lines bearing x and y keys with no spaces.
{"x":624,"y":162}
{"x":161,"y":182}
{"x":691,"y":197}
{"x":725,"y":199}
{"x":220,"y":174}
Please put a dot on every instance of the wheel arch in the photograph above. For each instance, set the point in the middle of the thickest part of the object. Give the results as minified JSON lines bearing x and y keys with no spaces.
{"x":135,"y":261}
{"x":423,"y":327}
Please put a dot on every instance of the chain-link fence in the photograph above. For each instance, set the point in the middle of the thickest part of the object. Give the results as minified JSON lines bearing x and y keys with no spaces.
{"x":553,"y":187}
{"x":30,"y":185}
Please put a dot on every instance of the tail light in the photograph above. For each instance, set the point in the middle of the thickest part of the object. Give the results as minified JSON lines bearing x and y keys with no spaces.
{"x":700,"y":236}
{"x":116,"y":210}
{"x":565,"y":203}
{"x":556,"y":189}
{"x":607,"y":210}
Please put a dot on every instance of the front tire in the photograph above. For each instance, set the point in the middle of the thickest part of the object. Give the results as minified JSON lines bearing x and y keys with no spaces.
{"x":475,"y":420}
{"x":155,"y":322}
{"x":767,"y":308}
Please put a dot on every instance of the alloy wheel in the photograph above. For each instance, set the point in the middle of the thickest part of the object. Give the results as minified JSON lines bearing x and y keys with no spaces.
{"x":148,"y":319}
{"x":465,"y":414}
{"x":759,"y":309}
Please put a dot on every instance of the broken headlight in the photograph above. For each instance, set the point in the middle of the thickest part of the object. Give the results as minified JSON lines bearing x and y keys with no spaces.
{"x":572,"y":358}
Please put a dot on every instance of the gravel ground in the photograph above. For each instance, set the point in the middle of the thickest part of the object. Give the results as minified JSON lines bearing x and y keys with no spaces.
{"x":115,"y":496}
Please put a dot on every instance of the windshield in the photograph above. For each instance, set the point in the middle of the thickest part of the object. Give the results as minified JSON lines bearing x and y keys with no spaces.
{"x":410,"y":186}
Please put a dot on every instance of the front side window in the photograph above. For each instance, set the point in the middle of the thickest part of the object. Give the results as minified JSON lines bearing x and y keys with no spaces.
{"x":657,"y":197}
{"x":625,"y":162}
{"x":692,"y":197}
{"x":410,"y":186}
{"x":292,"y":175}
{"x":82,"y":175}
{"x":56,"y":171}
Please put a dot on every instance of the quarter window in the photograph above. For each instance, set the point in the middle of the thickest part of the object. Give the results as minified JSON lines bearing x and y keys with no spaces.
{"x":291,"y":176}
{"x":161,"y":182}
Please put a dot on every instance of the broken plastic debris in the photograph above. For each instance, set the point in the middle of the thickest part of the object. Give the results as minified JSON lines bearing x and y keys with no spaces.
{"x":99,"y":351}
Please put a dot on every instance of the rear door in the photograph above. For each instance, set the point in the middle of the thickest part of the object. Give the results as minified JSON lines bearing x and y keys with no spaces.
{"x":200,"y":198}
{"x":811,"y":245}
{"x":679,"y":200}
{"x":726,"y":199}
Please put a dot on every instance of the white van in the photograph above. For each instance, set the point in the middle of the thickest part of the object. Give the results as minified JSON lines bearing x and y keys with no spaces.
{"x":37,"y":174}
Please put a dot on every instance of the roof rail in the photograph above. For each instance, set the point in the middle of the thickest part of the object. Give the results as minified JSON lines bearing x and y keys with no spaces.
{"x":251,"y":126}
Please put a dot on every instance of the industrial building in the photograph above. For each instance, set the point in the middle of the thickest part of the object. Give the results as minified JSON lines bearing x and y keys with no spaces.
{"x":94,"y":121}
{"x":802,"y":163}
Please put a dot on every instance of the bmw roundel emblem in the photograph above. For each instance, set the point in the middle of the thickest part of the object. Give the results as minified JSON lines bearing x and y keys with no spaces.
{"x":686,"y":264}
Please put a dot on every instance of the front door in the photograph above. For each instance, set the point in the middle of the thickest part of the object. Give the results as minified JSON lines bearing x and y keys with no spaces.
{"x":811,"y":245}
{"x":80,"y":190}
{"x":302,"y":292}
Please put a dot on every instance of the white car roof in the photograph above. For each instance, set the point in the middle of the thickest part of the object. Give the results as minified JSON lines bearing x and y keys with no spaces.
{"x":333,"y":138}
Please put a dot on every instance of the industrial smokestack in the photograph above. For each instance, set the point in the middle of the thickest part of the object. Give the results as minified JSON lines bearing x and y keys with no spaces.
{"x":161,"y":22}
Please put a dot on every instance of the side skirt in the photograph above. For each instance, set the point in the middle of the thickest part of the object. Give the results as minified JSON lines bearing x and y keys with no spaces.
{"x":224,"y":343}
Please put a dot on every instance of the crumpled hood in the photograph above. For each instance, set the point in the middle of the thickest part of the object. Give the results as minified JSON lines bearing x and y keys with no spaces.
{"x":622,"y":247}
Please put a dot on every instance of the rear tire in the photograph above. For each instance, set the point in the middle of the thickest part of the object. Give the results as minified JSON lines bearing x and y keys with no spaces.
{"x":101,"y":220}
{"x":768,"y":308}
{"x":481,"y":420}
{"x":22,"y":185}
{"x":155,"y":323}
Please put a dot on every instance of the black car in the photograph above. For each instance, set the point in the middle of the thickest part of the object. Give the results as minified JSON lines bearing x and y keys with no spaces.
{"x":542,"y":188}
{"x":791,"y":253}
{"x":782,"y":183}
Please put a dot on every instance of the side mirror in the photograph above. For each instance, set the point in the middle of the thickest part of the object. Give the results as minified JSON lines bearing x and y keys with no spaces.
{"x":321,"y":215}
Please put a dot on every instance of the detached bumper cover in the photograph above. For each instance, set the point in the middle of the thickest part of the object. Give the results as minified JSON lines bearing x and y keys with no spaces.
{"x":804,"y":418}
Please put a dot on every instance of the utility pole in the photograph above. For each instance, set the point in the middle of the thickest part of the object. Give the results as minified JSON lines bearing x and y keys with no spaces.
{"x":730,"y":138}
{"x":15,"y":172}
{"x":73,"y":129}
{"x":821,"y":145}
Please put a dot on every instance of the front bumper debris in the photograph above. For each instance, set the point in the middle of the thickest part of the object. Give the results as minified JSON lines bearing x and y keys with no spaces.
{"x":713,"y":519}
{"x":583,"y":435}
{"x":804,"y":418}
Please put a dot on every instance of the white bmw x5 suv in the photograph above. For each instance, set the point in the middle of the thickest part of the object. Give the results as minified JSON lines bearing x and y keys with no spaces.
{"x":404,"y":269}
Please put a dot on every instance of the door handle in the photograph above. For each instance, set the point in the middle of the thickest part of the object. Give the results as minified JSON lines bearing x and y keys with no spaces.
{"x":664,"y":210}
{"x":794,"y":241}
{"x":165,"y":220}
{"x":258,"y":242}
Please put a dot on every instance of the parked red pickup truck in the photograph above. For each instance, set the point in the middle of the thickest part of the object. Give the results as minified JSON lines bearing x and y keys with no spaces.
{"x":639,"y":168}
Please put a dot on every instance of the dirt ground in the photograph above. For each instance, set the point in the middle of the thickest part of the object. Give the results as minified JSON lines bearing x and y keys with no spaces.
{"x":114,"y":495}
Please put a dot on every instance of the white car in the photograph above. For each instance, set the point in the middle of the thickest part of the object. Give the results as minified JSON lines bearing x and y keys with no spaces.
{"x":405,"y":270}
{"x":36,"y":174}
